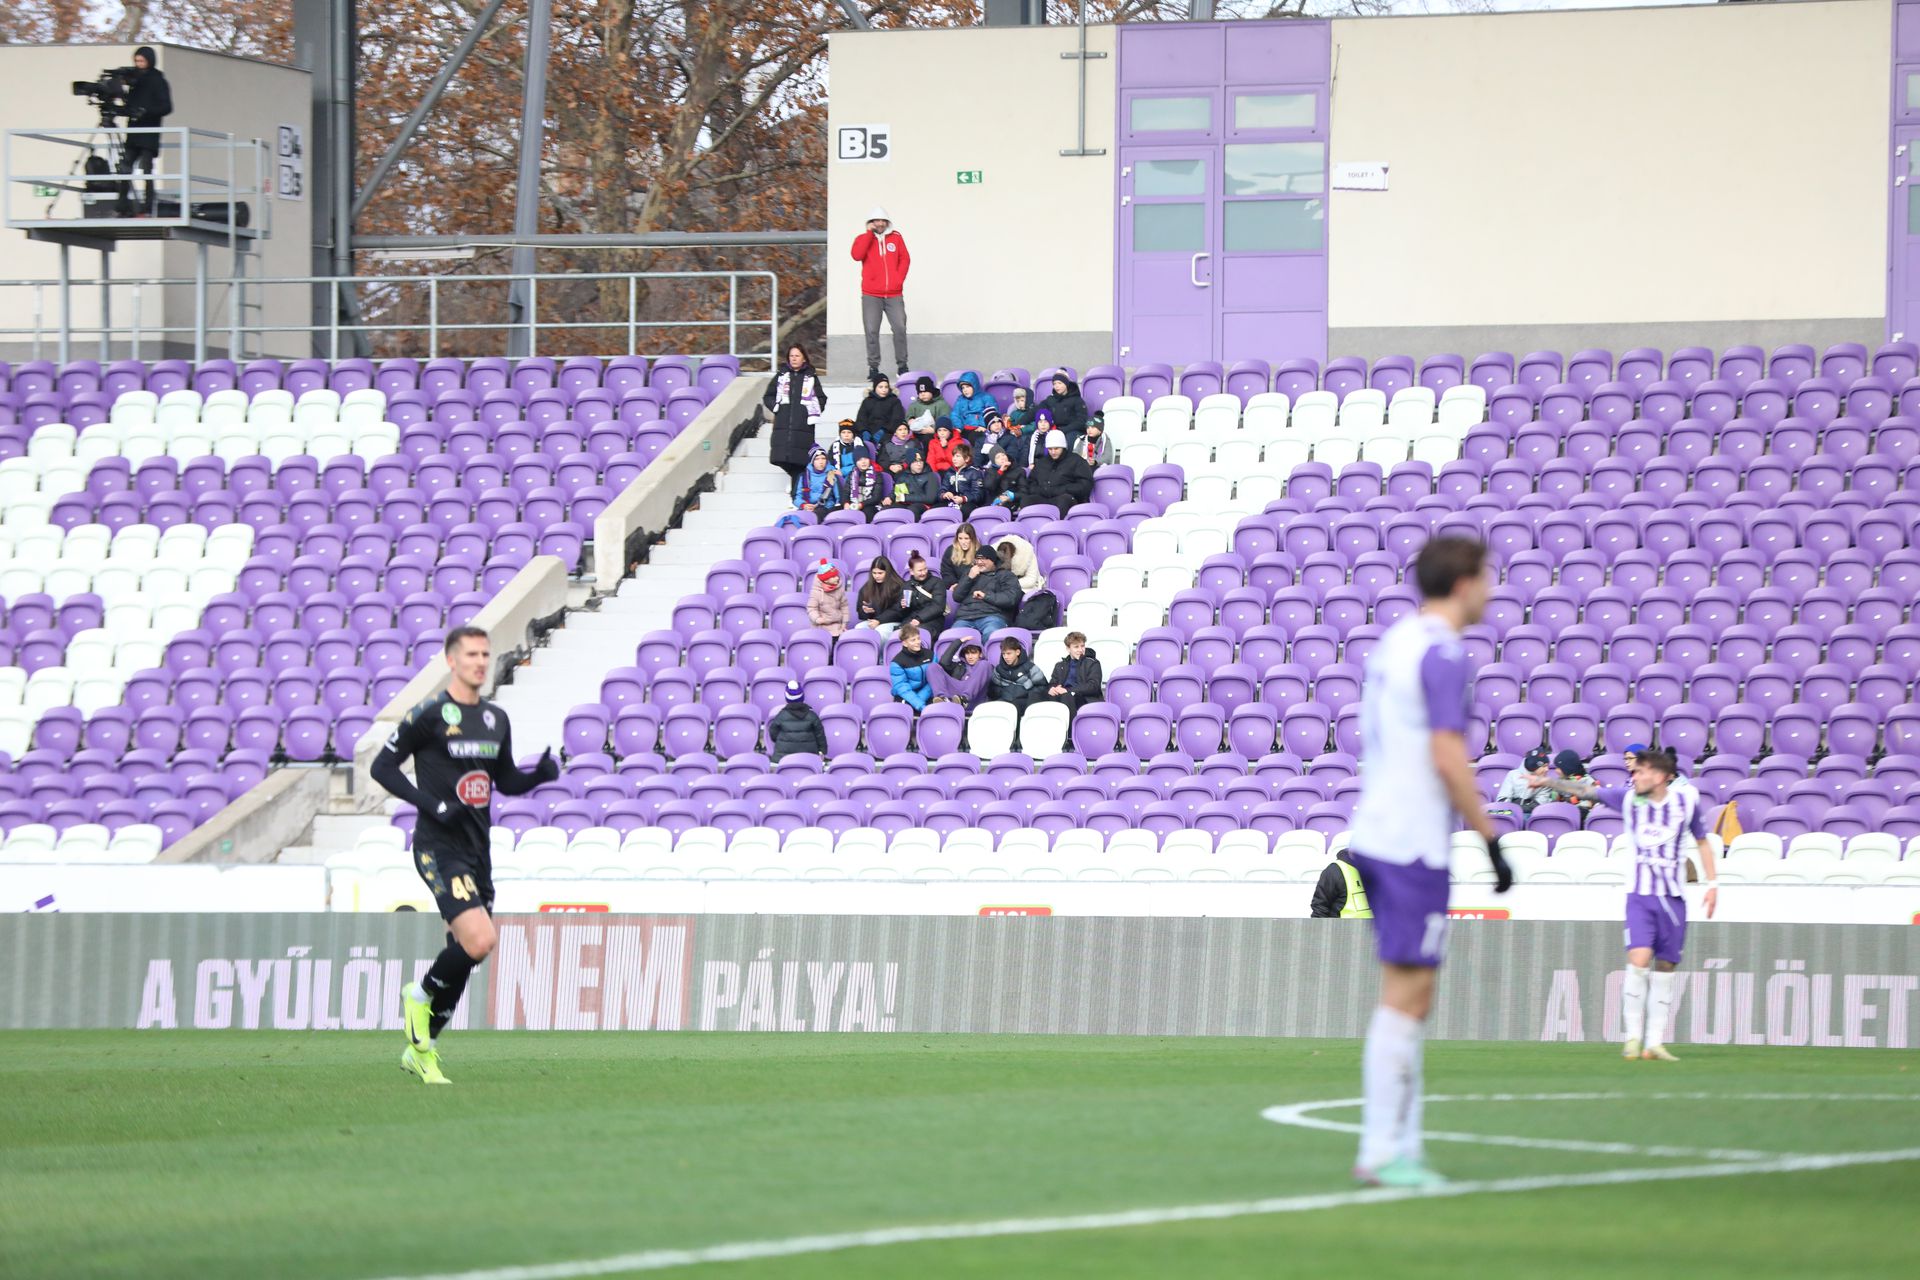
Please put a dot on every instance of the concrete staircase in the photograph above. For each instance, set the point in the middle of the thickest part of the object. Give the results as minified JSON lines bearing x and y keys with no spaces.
{"x":749,"y":493}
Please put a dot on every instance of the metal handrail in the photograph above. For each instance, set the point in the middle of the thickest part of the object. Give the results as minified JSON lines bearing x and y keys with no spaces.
{"x":748,"y":336}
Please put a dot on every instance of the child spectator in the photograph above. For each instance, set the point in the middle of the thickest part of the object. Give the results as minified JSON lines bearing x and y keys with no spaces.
{"x":1021,"y":412}
{"x":1094,"y":446}
{"x":866,"y":489}
{"x":827,"y":603}
{"x":1014,"y":678}
{"x":1004,"y":482}
{"x":879,"y":413}
{"x":961,"y":676}
{"x":912,"y":682}
{"x":881,"y":604}
{"x":921,"y":487}
{"x":898,"y":451}
{"x":845,"y":451}
{"x":940,"y":448}
{"x":960,"y":487}
{"x":795,"y":729}
{"x":928,"y":407}
{"x":975,"y":410}
{"x":818,"y":489}
{"x":1065,"y":407}
{"x":1077,"y":678}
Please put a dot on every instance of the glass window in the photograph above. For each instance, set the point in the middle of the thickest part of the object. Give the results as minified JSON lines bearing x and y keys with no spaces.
{"x":1170,"y":178}
{"x":1913,"y":159}
{"x":1275,"y":226}
{"x":1913,"y":90}
{"x":1274,"y":111}
{"x":1275,"y":168}
{"x":1170,"y":115}
{"x":1169,"y":228}
{"x":1913,"y":210}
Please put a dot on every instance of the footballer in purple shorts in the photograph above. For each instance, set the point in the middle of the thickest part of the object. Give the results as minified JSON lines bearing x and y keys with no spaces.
{"x":1418,"y":777}
{"x":1661,"y":815}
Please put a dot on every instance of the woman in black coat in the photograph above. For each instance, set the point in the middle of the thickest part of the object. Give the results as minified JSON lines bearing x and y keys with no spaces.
{"x":795,"y":400}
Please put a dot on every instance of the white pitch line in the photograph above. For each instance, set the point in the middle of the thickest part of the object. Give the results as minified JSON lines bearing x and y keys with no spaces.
{"x":1297,"y":1116}
{"x":756,"y":1250}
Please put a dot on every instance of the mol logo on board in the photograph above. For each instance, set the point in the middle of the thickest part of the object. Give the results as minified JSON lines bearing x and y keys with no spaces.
{"x":1016,"y":911}
{"x":1479,"y":913}
{"x":574,"y":906}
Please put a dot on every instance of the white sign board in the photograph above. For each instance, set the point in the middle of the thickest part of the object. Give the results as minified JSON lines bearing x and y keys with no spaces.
{"x":290,"y":163}
{"x":1368,"y":176}
{"x":863,"y":142}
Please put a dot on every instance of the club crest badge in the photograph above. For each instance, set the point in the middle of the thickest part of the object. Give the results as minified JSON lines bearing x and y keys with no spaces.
{"x":451,"y":714}
{"x":486,"y":718}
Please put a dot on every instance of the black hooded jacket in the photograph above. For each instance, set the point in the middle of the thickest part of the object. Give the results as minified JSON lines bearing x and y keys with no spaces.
{"x":876,"y":417}
{"x":1088,"y":678}
{"x":1069,"y":411}
{"x":149,"y":101}
{"x":1012,"y":683}
{"x":1002,"y":592}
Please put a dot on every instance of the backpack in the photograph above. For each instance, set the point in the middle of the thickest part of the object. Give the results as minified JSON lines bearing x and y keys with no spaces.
{"x":1038,"y":611}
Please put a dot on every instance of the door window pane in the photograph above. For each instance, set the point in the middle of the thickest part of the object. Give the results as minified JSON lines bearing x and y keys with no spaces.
{"x":1170,"y":115}
{"x":1170,"y":178}
{"x":1275,"y":226}
{"x":1169,"y":228}
{"x":1913,"y":159}
{"x":1913,"y":90}
{"x":1275,"y":168}
{"x":1274,"y":110}
{"x":1913,"y":211}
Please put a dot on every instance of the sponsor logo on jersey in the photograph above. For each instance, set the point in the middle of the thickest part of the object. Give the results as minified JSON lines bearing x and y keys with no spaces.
{"x":474,"y":789}
{"x":470,"y":749}
{"x":486,"y":718}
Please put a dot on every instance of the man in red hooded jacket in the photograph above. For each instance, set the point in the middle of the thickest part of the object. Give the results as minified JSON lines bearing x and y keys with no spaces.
{"x":883,"y":260}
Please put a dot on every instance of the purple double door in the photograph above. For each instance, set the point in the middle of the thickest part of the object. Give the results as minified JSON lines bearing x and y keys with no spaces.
{"x":1221,"y":242}
{"x":1903,"y":220}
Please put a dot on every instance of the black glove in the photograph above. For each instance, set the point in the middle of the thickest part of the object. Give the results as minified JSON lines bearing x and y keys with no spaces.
{"x":1502,"y":872}
{"x":546,"y":769}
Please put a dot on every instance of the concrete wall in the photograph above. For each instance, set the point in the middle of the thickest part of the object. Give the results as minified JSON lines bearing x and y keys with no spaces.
{"x":1666,"y":176}
{"x":247,"y":98}
{"x":1694,"y":174}
{"x":1017,"y":270}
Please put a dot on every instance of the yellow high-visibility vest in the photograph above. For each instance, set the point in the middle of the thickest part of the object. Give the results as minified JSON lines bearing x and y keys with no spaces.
{"x":1356,"y":908}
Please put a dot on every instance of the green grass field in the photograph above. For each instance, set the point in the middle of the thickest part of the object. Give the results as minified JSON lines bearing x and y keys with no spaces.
{"x":269,"y":1155}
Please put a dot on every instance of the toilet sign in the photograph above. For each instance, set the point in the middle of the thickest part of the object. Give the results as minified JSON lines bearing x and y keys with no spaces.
{"x":863,"y":142}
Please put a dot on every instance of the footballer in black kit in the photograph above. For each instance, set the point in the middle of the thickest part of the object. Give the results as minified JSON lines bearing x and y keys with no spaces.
{"x":462,"y":751}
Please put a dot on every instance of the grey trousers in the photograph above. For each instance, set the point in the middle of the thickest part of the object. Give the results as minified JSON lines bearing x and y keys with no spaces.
{"x":895,"y":309}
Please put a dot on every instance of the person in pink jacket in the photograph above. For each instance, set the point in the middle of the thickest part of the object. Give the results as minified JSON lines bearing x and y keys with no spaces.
{"x":828,"y":604}
{"x":883,"y":260}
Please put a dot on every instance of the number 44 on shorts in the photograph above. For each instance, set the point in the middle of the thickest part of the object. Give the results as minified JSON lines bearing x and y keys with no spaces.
{"x":462,"y":888}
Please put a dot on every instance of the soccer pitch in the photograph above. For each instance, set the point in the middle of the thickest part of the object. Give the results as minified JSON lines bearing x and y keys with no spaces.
{"x":260,"y":1154}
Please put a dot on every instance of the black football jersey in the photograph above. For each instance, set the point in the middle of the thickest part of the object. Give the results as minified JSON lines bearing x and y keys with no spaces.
{"x":459,"y":753}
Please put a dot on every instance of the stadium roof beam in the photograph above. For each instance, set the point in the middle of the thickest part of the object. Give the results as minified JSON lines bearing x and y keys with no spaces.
{"x":598,"y":240}
{"x":448,"y":70}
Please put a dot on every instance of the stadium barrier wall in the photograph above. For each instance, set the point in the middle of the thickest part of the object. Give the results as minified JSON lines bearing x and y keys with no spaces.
{"x":261,"y":822}
{"x":648,"y":504}
{"x":1779,"y":985}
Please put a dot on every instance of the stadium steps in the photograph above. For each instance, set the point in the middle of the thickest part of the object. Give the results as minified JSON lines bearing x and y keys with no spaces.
{"x":749,"y":493}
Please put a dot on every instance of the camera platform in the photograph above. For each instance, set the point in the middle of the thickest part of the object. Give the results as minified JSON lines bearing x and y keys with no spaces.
{"x":65,"y":187}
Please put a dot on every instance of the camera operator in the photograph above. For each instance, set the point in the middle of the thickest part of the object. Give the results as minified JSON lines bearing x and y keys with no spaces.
{"x":147,"y":103}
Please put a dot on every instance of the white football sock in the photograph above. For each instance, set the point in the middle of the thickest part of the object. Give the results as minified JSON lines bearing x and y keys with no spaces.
{"x":1413,"y":1144}
{"x":1387,"y":1072}
{"x":1659,"y":1004}
{"x":1633,"y":1001}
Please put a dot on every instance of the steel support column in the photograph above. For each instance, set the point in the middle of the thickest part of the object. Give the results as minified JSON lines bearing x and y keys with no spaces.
{"x":526,"y":207}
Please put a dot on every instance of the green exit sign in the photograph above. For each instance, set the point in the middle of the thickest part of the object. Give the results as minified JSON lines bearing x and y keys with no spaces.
{"x":968,"y":177}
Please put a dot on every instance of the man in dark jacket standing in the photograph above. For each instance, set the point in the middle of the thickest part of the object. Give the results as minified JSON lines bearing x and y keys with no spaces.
{"x":1065,"y":407}
{"x":795,"y":729}
{"x":1062,"y":478}
{"x":883,"y":260}
{"x":988,"y":596}
{"x":149,"y":102}
{"x":1077,"y":678}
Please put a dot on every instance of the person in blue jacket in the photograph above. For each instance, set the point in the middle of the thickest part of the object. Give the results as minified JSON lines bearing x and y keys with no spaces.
{"x":912,"y":683}
{"x":818,"y":488}
{"x":973,"y":409}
